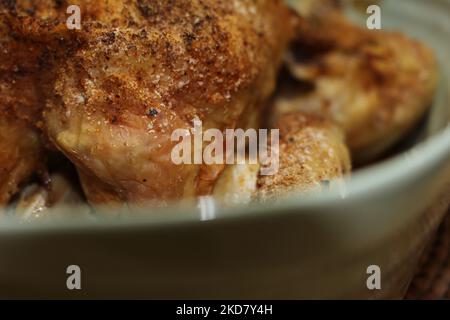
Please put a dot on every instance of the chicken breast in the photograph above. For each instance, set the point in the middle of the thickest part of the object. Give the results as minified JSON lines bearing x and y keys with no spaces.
{"x":127,"y":85}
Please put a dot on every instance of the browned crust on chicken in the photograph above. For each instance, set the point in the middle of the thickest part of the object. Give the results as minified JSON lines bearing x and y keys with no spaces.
{"x":20,"y":156}
{"x":139,"y":69}
{"x":122,"y":91}
{"x":312,"y":155}
{"x":20,"y":146}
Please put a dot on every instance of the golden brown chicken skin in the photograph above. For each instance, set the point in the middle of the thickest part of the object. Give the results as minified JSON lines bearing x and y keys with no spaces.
{"x":121,"y":93}
{"x":114,"y":12}
{"x":20,"y":156}
{"x":24,"y":78}
{"x":374,"y":85}
{"x":312,"y":157}
{"x":20,"y":146}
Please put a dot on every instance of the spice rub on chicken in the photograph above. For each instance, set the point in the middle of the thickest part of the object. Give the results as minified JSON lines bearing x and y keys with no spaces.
{"x":120,"y":94}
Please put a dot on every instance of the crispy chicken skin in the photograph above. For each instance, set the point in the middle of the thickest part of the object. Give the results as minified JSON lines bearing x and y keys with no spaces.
{"x":114,"y":12}
{"x":313,"y":156}
{"x":20,"y":146}
{"x":24,"y":77}
{"x":20,"y":156}
{"x":123,"y":90}
{"x":374,"y":85}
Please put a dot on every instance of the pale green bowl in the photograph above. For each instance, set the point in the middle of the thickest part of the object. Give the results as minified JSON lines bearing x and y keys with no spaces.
{"x":303,"y":248}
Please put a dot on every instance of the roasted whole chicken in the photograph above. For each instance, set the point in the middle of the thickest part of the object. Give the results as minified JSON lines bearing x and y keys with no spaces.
{"x":123,"y":83}
{"x":109,"y":96}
